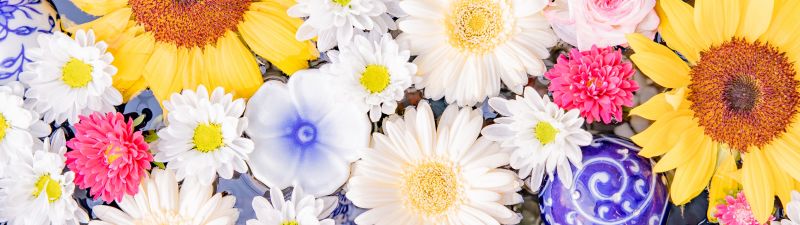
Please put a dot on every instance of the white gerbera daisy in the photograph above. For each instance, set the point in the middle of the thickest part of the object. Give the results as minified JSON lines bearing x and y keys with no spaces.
{"x":306,"y":133}
{"x":792,"y":211}
{"x":20,"y":128}
{"x":160,"y":201}
{"x":333,"y":22}
{"x":37,"y":191}
{"x":374,"y":71}
{"x":204,"y":135}
{"x":70,"y":77}
{"x":542,"y":136}
{"x":418,"y":174}
{"x":466,"y":48}
{"x":302,"y":209}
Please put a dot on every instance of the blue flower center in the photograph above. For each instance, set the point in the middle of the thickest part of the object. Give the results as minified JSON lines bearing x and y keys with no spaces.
{"x":304,"y":133}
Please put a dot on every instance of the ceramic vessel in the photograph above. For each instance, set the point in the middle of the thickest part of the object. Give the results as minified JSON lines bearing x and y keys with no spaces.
{"x":21,"y":21}
{"x":615,"y":186}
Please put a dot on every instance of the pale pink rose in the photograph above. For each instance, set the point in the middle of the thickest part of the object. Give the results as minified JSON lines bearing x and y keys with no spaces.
{"x":583,"y":23}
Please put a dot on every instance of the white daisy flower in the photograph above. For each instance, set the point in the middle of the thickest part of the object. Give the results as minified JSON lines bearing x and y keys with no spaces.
{"x":374,"y":71}
{"x":792,"y":211}
{"x":20,"y":128}
{"x":416,"y":173}
{"x":306,"y":133}
{"x":203,"y":137}
{"x":70,"y":77}
{"x":333,"y":22}
{"x":37,"y":191}
{"x":466,"y":48}
{"x":543,"y":138}
{"x":302,"y":209}
{"x":161,"y":201}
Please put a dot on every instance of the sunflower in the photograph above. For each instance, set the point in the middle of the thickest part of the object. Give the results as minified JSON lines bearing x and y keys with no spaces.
{"x":737,"y":95}
{"x":169,"y":45}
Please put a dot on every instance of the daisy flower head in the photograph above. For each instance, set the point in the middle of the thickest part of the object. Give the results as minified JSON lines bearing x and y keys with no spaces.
{"x":736,"y":211}
{"x":169,"y":45}
{"x":595,"y":81}
{"x":334,"y":22}
{"x":792,"y":211}
{"x":20,"y":127}
{"x":543,"y":138}
{"x":108,"y":156}
{"x":416,"y":173}
{"x":70,"y":77}
{"x":306,"y":133}
{"x":160,"y":200}
{"x":375,"y":71}
{"x":37,"y":191}
{"x":738,"y":92}
{"x":467,"y":48}
{"x":203,"y":137}
{"x":301,"y":209}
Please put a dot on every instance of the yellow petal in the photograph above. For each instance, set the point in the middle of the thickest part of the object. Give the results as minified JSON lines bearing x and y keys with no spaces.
{"x":786,"y":152}
{"x":784,"y":184}
{"x":666,"y":70}
{"x":160,"y":70}
{"x":279,"y":45}
{"x":692,"y":178}
{"x":689,"y":145}
{"x":109,"y":25}
{"x":756,"y":17}
{"x":653,"y":108}
{"x":640,"y":43}
{"x":784,"y":30}
{"x":758,"y":184}
{"x":236,"y":68}
{"x":99,"y":7}
{"x":130,"y":57}
{"x":722,"y":184}
{"x":717,"y":20}
{"x":677,"y":28}
{"x":655,"y":140}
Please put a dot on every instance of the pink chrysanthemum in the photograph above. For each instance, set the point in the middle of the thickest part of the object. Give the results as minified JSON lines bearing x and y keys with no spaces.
{"x":736,"y":211}
{"x":597,"y":82}
{"x":107,"y":156}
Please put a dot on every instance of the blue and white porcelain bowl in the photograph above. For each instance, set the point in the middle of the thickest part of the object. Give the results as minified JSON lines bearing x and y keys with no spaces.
{"x":21,"y":21}
{"x":615,"y":186}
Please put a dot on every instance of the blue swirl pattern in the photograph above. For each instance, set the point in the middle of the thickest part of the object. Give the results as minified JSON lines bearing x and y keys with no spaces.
{"x":20,"y":22}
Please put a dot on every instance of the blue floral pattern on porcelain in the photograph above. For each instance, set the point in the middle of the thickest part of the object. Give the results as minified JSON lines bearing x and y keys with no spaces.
{"x":21,"y":21}
{"x":615,"y":186}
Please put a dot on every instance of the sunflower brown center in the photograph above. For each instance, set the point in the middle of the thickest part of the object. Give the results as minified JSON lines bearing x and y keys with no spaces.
{"x":189,"y":23}
{"x":744,"y":94}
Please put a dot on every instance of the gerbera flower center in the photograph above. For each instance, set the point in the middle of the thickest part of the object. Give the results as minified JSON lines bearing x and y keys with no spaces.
{"x":743,"y":94}
{"x":189,"y":23}
{"x":3,"y":126}
{"x":375,"y":78}
{"x":291,"y":222}
{"x":343,"y":3}
{"x":207,"y":137}
{"x":50,"y":186}
{"x":475,"y":25}
{"x":112,"y":153}
{"x":431,"y":187}
{"x":545,"y":132}
{"x":76,"y":73}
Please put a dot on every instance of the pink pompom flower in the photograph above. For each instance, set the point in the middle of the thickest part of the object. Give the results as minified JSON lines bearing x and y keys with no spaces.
{"x":107,"y":156}
{"x":736,"y":211}
{"x":596,"y":81}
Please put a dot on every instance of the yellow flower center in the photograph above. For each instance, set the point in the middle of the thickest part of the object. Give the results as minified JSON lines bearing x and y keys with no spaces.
{"x":189,"y":23}
{"x":431,"y":187}
{"x":112,"y":154}
{"x":3,"y":126}
{"x":50,"y":186}
{"x":375,"y":78}
{"x":291,"y":222}
{"x":545,"y":133}
{"x":76,"y":73}
{"x":207,"y":137}
{"x":475,"y":25}
{"x":342,"y":2}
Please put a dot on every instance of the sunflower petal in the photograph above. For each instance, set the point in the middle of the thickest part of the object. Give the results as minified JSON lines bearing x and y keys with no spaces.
{"x":785,"y":151}
{"x":756,"y":18}
{"x":160,"y":70}
{"x":677,"y":28}
{"x":99,"y":7}
{"x":722,"y":184}
{"x":691,"y":178}
{"x":278,"y":45}
{"x":129,"y":59}
{"x":666,"y":70}
{"x":688,"y":146}
{"x":758,"y":184}
{"x":784,"y":184}
{"x":716,"y":19}
{"x":653,"y":108}
{"x":108,"y":26}
{"x":652,"y":139}
{"x":239,"y":73}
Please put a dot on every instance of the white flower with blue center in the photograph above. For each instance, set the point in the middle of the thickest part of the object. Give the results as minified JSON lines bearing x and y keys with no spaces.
{"x":305,"y":133}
